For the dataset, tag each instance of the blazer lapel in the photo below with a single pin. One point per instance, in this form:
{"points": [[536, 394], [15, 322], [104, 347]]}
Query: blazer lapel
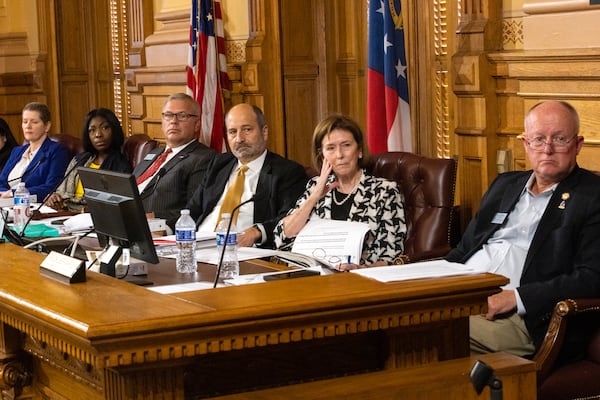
{"points": [[265, 181], [148, 159], [552, 217], [37, 159], [512, 194], [182, 155]]}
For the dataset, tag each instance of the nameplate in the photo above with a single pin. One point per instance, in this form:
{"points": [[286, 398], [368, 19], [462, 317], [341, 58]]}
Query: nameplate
{"points": [[63, 268]]}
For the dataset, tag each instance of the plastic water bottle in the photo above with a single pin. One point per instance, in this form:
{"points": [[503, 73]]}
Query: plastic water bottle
{"points": [[230, 267], [21, 207], [185, 237]]}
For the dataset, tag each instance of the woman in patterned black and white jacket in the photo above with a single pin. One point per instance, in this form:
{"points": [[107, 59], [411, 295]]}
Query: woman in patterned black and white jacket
{"points": [[344, 191]]}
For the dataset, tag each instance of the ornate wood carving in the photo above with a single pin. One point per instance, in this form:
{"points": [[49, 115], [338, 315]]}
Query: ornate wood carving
{"points": [[478, 34]]}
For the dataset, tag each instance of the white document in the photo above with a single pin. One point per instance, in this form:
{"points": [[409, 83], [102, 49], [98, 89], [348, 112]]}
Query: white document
{"points": [[331, 242], [425, 269], [183, 287]]}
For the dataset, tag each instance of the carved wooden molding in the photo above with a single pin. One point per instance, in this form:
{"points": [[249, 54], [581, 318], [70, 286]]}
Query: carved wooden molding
{"points": [[222, 341], [75, 368]]}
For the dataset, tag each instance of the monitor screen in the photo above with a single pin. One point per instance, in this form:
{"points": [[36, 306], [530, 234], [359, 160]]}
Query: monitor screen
{"points": [[117, 211]]}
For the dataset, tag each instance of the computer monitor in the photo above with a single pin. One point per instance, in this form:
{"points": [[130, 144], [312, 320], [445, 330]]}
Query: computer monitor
{"points": [[118, 214]]}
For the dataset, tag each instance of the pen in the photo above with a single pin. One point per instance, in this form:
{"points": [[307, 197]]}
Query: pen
{"points": [[349, 259]]}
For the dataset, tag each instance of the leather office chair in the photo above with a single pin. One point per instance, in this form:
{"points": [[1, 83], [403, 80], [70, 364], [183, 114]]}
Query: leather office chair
{"points": [[72, 143], [428, 186], [578, 379], [137, 146]]}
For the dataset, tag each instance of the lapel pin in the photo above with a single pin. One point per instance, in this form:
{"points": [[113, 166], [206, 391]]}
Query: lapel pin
{"points": [[564, 197]]}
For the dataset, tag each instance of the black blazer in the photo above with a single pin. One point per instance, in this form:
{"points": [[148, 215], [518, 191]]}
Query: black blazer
{"points": [[564, 256], [171, 188], [280, 183]]}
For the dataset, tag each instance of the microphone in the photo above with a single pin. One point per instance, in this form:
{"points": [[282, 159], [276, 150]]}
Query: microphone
{"points": [[37, 164], [66, 175], [161, 172], [236, 208]]}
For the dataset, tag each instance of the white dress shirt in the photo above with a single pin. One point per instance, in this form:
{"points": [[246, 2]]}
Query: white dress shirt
{"points": [[246, 212], [505, 252]]}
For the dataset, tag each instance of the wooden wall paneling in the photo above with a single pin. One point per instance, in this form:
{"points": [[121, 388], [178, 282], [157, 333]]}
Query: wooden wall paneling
{"points": [[478, 35], [526, 77], [430, 41], [84, 60], [262, 73], [131, 23], [346, 56], [304, 73], [74, 58], [47, 80]]}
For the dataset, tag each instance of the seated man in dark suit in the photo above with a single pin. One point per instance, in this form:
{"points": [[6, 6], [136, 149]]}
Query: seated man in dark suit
{"points": [[276, 182], [539, 228], [168, 176]]}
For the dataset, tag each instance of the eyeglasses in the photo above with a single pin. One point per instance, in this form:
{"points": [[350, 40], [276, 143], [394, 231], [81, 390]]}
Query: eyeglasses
{"points": [[181, 116], [321, 255], [103, 128], [559, 143]]}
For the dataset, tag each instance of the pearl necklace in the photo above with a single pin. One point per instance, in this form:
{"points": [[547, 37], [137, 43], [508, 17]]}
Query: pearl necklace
{"points": [[345, 199]]}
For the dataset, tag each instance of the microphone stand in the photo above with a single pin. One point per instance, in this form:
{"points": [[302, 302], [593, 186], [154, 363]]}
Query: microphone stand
{"points": [[482, 375], [37, 164], [22, 233], [222, 255]]}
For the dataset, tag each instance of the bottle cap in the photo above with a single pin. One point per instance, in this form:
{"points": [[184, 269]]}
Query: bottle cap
{"points": [[185, 211], [225, 215]]}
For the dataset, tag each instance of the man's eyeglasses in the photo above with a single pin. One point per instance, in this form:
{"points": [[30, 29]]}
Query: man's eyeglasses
{"points": [[559, 143], [181, 116]]}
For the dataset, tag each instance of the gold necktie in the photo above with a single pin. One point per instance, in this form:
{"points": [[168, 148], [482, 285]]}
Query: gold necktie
{"points": [[233, 195]]}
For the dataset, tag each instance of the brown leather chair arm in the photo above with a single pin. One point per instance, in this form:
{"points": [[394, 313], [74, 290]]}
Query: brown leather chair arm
{"points": [[553, 341], [427, 255]]}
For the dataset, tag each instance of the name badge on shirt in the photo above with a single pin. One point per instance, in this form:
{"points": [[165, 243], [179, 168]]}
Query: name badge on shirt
{"points": [[150, 157], [499, 218]]}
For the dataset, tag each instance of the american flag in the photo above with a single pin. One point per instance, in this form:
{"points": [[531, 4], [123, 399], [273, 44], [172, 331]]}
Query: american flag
{"points": [[207, 69], [388, 113]]}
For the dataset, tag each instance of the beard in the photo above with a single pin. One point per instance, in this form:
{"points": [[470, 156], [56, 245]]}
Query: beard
{"points": [[245, 151]]}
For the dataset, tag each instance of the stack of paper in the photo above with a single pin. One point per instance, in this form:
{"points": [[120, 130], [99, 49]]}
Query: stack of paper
{"points": [[331, 242], [425, 269]]}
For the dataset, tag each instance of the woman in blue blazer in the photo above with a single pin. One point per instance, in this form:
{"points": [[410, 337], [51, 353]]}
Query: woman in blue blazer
{"points": [[41, 162]]}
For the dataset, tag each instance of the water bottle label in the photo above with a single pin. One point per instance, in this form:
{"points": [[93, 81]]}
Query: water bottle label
{"points": [[231, 239], [220, 239], [187, 235], [22, 201]]}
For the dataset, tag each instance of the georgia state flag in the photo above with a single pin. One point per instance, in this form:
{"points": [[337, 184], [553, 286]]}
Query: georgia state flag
{"points": [[388, 113]]}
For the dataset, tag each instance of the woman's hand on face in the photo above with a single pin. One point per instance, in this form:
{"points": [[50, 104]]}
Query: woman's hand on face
{"points": [[322, 188]]}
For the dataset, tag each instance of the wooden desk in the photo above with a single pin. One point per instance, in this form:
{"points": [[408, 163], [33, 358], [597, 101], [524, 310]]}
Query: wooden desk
{"points": [[109, 339]]}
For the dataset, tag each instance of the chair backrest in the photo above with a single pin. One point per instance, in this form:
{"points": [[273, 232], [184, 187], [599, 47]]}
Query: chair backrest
{"points": [[72, 143], [137, 146], [428, 186]]}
